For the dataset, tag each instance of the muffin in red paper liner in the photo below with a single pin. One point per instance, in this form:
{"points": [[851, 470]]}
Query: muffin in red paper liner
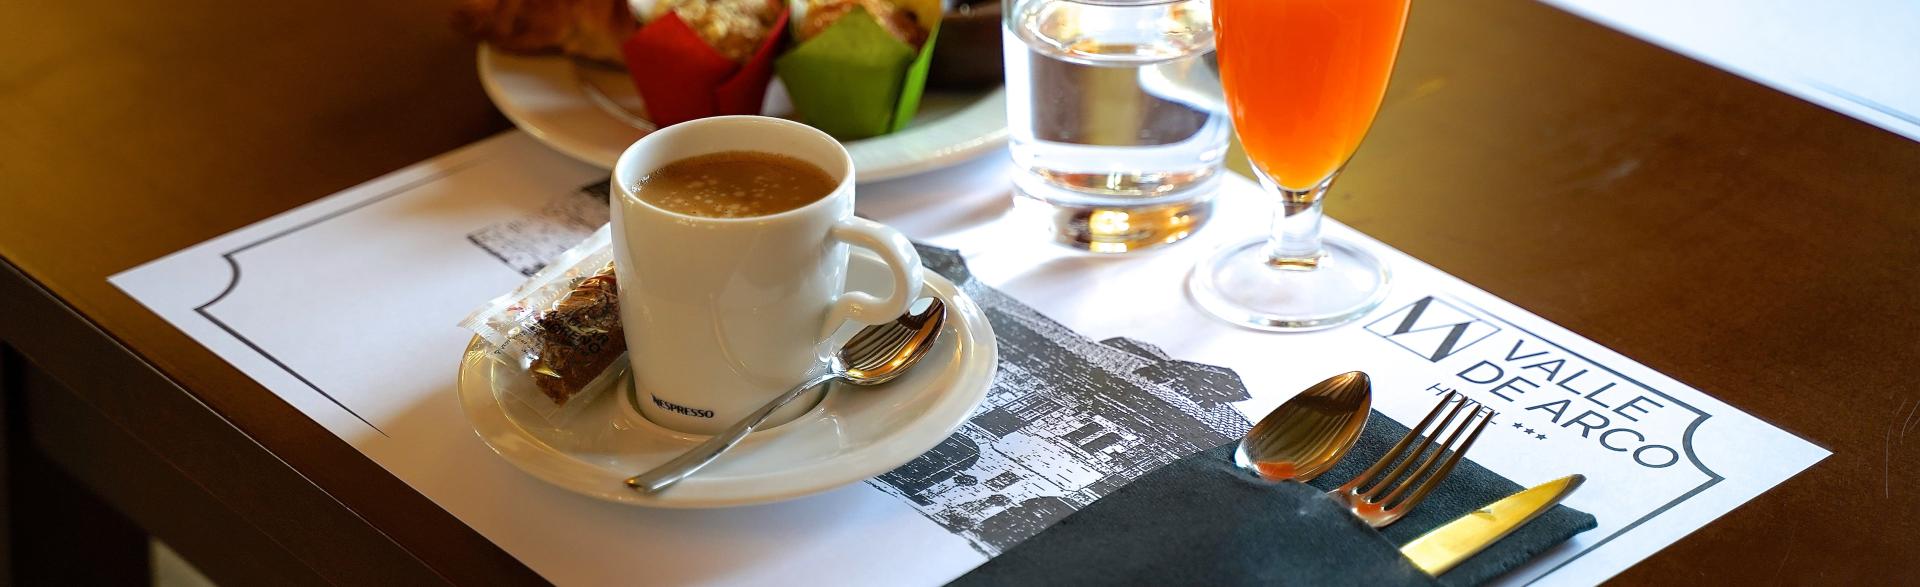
{"points": [[699, 66]]}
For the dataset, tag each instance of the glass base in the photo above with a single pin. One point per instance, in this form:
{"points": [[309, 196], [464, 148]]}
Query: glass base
{"points": [[1120, 229], [1239, 284]]}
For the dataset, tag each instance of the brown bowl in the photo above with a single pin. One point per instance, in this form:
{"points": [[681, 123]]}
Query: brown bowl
{"points": [[967, 54]]}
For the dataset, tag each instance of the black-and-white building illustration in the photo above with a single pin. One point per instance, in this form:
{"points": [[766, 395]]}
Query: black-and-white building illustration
{"points": [[1068, 421], [528, 242]]}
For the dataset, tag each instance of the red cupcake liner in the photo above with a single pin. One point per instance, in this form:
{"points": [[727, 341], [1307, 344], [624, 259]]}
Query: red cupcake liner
{"points": [[680, 78]]}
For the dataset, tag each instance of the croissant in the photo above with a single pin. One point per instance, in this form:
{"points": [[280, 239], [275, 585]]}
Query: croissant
{"points": [[585, 29]]}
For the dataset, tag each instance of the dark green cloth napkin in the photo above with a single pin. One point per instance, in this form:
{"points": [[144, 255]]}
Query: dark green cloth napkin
{"points": [[1469, 488], [1201, 520]]}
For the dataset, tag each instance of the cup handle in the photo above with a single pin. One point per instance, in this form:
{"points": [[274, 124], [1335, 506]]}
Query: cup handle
{"points": [[901, 259]]}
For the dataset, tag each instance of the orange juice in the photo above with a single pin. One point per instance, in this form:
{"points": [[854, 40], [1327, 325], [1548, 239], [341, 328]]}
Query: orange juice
{"points": [[1304, 78]]}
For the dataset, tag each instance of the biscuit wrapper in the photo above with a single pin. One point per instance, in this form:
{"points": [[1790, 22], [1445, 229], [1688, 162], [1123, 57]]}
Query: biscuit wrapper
{"points": [[559, 331], [854, 80], [681, 78]]}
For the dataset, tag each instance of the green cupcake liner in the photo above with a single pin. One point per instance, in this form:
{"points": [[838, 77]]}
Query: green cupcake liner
{"points": [[854, 80]]}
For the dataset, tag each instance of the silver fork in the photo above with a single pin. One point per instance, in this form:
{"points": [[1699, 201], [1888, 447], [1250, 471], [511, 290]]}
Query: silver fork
{"points": [[1363, 495]]}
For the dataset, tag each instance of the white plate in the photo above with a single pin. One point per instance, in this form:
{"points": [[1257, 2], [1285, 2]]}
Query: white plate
{"points": [[592, 114], [853, 434]]}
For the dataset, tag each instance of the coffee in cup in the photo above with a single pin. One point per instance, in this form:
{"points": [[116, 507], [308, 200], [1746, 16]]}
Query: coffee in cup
{"points": [[733, 265], [735, 184]]}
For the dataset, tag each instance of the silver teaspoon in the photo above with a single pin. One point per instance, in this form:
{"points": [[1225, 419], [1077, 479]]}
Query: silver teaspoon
{"points": [[1311, 432], [875, 355]]}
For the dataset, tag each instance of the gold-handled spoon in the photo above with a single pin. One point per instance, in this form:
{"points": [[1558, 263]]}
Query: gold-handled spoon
{"points": [[1308, 434], [875, 355]]}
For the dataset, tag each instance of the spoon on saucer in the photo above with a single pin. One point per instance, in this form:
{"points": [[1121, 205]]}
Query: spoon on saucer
{"points": [[1308, 434], [875, 355]]}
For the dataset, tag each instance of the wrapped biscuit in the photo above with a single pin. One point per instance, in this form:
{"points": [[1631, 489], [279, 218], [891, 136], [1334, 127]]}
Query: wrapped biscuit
{"points": [[698, 58], [860, 65], [560, 330]]}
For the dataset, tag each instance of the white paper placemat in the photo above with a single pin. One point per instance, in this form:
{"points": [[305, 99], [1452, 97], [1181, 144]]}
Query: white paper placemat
{"points": [[346, 309]]}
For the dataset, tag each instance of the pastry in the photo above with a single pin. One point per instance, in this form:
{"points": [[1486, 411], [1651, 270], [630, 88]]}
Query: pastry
{"points": [[585, 29], [859, 66], [897, 21], [580, 337], [698, 58], [734, 28]]}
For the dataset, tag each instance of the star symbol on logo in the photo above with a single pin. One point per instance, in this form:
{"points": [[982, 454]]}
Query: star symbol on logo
{"points": [[1529, 431], [1518, 425], [1540, 436]]}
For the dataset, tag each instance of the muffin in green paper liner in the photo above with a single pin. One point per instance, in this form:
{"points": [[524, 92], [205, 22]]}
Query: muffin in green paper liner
{"points": [[859, 66]]}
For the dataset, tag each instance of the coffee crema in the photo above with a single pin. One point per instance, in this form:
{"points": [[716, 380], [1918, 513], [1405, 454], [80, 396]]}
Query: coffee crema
{"points": [[735, 184]]}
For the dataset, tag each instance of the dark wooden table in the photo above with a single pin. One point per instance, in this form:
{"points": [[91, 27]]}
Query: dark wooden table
{"points": [[1745, 242]]}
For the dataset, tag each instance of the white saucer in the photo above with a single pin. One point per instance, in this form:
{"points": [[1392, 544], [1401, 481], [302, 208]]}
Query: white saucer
{"points": [[853, 434], [593, 114]]}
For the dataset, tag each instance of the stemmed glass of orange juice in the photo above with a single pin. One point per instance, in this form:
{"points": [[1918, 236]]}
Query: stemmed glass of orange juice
{"points": [[1303, 79]]}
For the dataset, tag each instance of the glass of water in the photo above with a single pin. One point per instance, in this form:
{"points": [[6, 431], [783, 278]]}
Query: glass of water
{"points": [[1118, 128]]}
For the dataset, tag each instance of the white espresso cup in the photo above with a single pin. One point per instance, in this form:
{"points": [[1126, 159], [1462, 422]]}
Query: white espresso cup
{"points": [[724, 314]]}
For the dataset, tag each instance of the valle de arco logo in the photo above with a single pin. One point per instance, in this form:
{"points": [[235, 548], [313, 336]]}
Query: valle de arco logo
{"points": [[1541, 389]]}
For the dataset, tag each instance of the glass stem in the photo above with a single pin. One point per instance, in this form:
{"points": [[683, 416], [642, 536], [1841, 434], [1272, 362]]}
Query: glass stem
{"points": [[1295, 242]]}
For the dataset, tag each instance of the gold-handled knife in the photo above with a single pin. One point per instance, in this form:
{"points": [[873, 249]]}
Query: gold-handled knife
{"points": [[1441, 548]]}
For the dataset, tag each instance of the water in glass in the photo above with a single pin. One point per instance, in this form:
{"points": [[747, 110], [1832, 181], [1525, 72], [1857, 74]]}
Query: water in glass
{"points": [[1116, 119]]}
